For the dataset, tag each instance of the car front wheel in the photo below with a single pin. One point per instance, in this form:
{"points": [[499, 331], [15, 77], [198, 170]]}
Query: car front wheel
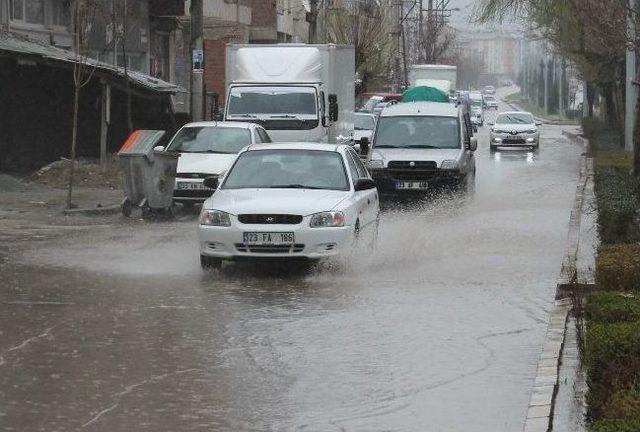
{"points": [[208, 262]]}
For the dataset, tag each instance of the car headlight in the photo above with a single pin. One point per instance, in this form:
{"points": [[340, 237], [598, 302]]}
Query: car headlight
{"points": [[532, 131], [215, 218], [327, 219], [375, 164], [449, 165]]}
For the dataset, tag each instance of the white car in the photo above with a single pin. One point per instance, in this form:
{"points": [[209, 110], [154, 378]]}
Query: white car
{"points": [[491, 102], [296, 200], [515, 129], [206, 150]]}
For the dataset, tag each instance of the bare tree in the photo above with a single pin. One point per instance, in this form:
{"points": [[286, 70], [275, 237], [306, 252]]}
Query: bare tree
{"points": [[83, 13], [365, 25]]}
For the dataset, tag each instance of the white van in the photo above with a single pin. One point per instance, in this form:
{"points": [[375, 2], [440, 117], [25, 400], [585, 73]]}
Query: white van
{"points": [[420, 146]]}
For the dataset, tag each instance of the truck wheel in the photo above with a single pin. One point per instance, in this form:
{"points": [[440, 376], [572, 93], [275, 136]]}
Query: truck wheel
{"points": [[207, 262]]}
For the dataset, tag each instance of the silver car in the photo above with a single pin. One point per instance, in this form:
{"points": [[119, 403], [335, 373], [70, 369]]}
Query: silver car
{"points": [[515, 129]]}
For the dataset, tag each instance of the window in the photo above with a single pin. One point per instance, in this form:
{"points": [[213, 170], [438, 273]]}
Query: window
{"points": [[223, 140], [17, 10], [264, 135], [61, 13], [34, 11], [362, 170], [352, 168], [418, 132]]}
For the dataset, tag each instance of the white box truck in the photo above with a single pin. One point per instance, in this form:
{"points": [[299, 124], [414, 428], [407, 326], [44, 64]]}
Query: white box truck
{"points": [[442, 77], [298, 92]]}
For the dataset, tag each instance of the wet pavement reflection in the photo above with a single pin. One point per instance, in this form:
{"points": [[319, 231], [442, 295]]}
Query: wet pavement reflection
{"points": [[117, 329]]}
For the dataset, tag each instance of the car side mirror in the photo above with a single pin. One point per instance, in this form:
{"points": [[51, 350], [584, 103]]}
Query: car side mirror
{"points": [[211, 182], [538, 123], [364, 146], [333, 108], [158, 148], [473, 144], [364, 184]]}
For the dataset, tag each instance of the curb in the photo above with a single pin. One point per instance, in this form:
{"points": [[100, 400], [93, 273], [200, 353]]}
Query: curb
{"points": [[542, 404], [97, 211]]}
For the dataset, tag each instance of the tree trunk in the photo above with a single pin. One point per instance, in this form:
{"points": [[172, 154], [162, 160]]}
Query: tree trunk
{"points": [[74, 140], [636, 140]]}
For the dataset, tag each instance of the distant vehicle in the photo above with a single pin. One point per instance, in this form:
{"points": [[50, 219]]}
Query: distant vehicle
{"points": [[419, 146], [382, 105], [489, 90], [442, 77], [515, 129], [476, 108], [363, 126], [491, 102], [297, 92], [206, 150], [365, 102], [298, 200]]}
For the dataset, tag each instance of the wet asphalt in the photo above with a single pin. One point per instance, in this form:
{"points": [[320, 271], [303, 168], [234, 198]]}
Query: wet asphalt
{"points": [[116, 328]]}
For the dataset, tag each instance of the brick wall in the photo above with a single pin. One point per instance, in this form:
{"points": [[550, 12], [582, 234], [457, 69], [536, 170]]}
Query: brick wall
{"points": [[214, 67], [263, 13]]}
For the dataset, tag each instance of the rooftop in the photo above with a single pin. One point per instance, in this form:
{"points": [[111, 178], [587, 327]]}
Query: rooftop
{"points": [[421, 108]]}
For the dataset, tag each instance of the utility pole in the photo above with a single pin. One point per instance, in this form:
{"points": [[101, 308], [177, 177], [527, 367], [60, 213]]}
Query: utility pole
{"points": [[313, 21], [197, 66], [420, 30]]}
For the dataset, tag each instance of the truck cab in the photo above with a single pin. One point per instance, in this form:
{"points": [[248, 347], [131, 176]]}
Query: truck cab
{"points": [[420, 146], [297, 92]]}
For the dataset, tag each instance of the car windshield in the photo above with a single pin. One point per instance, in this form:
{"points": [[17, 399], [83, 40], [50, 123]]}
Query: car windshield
{"points": [[288, 169], [210, 139], [514, 118], [363, 122], [418, 132], [273, 102]]}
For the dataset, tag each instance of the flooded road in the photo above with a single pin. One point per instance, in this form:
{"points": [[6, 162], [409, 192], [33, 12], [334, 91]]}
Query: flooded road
{"points": [[116, 328]]}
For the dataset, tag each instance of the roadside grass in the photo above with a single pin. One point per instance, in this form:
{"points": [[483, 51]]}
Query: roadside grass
{"points": [[612, 339]]}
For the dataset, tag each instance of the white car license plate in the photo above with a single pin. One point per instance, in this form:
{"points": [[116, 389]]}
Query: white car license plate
{"points": [[191, 186], [268, 238], [412, 185]]}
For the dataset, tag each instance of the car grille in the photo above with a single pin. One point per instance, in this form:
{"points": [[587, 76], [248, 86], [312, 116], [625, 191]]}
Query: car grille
{"points": [[421, 171], [267, 249], [270, 219], [513, 141], [194, 175]]}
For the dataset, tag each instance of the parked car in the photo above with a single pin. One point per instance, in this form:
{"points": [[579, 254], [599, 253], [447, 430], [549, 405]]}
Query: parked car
{"points": [[366, 102], [206, 150], [363, 126], [296, 200], [515, 129], [420, 146], [490, 102]]}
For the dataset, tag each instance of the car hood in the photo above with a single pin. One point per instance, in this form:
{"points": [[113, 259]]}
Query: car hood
{"points": [[437, 155], [204, 163], [275, 201], [514, 127], [359, 134]]}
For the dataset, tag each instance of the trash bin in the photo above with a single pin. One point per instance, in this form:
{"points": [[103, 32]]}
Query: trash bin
{"points": [[148, 176]]}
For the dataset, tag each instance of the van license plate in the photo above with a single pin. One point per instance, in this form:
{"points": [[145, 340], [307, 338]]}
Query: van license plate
{"points": [[191, 186], [268, 238], [412, 186]]}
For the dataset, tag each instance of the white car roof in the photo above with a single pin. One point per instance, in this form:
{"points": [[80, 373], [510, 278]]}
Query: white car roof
{"points": [[229, 124], [297, 146], [439, 109]]}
